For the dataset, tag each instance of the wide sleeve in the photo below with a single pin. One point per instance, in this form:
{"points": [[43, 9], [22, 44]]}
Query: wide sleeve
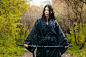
{"points": [[62, 40], [33, 36]]}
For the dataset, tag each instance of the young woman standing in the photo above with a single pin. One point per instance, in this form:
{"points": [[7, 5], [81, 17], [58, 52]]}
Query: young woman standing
{"points": [[47, 32]]}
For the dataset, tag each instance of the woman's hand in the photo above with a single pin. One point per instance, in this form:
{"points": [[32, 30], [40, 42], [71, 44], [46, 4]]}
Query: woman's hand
{"points": [[66, 46], [26, 45]]}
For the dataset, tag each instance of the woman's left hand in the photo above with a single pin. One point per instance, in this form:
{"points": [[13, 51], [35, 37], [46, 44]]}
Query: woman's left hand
{"points": [[66, 46]]}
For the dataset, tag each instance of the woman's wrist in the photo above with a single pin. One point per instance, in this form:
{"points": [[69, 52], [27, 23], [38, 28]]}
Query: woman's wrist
{"points": [[26, 45]]}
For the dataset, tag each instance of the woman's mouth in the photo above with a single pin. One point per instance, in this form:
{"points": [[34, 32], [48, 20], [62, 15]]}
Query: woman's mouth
{"points": [[46, 14]]}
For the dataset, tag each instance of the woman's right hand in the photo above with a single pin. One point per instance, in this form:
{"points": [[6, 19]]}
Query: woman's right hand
{"points": [[26, 45]]}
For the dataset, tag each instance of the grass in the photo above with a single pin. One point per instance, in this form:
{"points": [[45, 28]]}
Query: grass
{"points": [[76, 52], [13, 52]]}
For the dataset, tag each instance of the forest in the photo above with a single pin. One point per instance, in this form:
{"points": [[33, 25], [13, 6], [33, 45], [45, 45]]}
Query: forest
{"points": [[17, 18]]}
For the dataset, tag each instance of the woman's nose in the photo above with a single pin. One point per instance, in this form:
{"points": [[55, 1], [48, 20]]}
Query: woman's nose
{"points": [[46, 11]]}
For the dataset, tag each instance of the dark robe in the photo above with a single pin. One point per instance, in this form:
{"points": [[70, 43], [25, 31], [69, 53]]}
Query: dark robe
{"points": [[47, 35]]}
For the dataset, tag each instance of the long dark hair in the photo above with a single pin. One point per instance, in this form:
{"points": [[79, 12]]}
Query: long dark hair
{"points": [[51, 16]]}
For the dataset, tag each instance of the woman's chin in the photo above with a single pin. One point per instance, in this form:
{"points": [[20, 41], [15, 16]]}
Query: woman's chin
{"points": [[46, 15]]}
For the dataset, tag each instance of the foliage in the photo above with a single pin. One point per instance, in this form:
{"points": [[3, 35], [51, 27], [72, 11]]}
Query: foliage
{"points": [[72, 19], [76, 52], [29, 17], [12, 52], [23, 35], [12, 33], [77, 37], [11, 11], [62, 14]]}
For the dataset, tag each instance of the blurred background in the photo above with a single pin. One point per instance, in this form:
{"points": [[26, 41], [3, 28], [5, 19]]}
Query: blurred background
{"points": [[17, 18]]}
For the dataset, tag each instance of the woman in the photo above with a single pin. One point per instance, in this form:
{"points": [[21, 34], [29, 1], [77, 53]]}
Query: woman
{"points": [[47, 32]]}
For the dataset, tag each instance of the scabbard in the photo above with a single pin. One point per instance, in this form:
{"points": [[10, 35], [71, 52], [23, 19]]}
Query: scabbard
{"points": [[58, 46]]}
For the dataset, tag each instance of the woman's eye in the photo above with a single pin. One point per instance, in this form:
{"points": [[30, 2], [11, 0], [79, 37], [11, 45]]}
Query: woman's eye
{"points": [[46, 9]]}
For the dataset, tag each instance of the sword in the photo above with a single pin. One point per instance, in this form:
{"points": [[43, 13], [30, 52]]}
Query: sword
{"points": [[57, 46]]}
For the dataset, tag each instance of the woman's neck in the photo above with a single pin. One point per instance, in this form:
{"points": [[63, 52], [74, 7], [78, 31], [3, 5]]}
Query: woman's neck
{"points": [[47, 17]]}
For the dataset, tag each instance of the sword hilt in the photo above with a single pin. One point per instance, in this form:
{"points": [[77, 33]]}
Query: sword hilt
{"points": [[21, 44], [70, 45]]}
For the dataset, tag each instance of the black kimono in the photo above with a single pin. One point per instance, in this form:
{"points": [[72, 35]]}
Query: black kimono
{"points": [[47, 35]]}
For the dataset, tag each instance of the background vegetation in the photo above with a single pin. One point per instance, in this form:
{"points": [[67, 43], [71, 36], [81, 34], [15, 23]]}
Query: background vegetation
{"points": [[71, 17], [10, 13], [17, 19]]}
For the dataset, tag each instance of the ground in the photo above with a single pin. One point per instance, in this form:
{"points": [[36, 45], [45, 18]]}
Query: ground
{"points": [[29, 54]]}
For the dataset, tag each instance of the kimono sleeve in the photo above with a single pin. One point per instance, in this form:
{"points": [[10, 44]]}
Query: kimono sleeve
{"points": [[62, 40], [33, 36]]}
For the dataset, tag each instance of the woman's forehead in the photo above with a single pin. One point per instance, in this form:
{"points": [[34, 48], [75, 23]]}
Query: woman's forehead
{"points": [[46, 8]]}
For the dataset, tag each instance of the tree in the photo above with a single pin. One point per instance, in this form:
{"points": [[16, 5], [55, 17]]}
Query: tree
{"points": [[71, 14], [61, 14], [29, 17], [11, 11], [78, 9]]}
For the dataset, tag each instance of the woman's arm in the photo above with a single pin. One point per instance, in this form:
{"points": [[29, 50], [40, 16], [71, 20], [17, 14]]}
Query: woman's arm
{"points": [[62, 40], [33, 36]]}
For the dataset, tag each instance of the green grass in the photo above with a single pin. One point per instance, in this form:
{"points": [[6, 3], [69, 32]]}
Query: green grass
{"points": [[12, 52], [76, 52]]}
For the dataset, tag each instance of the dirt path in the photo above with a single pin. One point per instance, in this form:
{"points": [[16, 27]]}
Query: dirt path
{"points": [[29, 54]]}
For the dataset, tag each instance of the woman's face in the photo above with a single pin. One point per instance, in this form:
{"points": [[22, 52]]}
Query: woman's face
{"points": [[47, 12]]}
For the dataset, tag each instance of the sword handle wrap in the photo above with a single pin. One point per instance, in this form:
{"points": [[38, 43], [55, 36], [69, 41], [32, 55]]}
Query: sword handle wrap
{"points": [[21, 44]]}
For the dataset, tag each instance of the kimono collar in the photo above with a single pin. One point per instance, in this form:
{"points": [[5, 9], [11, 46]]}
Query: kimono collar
{"points": [[46, 18]]}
